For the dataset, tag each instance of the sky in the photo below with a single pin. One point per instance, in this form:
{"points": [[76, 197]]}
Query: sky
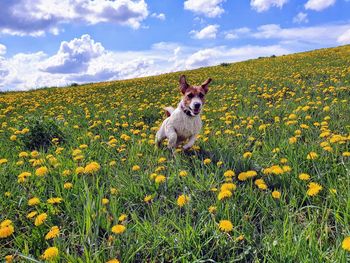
{"points": [[60, 42]]}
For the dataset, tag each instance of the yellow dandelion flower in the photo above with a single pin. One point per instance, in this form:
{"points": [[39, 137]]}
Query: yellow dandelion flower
{"points": [[229, 173], [33, 201], [346, 244], [314, 189], [54, 232], [114, 260], [92, 168], [32, 214], [228, 186], [147, 198], [9, 258], [207, 161], [118, 229], [160, 179], [122, 217], [312, 156], [54, 200], [183, 173], [136, 168], [68, 185], [247, 155], [225, 226], [276, 194], [50, 253], [105, 201], [40, 219], [212, 209], [304, 176], [224, 194], [6, 228], [182, 200], [162, 160], [41, 171]]}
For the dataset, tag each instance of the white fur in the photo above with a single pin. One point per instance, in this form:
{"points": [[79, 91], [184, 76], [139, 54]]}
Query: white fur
{"points": [[179, 127]]}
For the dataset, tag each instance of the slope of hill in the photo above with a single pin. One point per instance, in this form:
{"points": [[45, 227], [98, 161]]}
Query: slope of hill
{"points": [[81, 177]]}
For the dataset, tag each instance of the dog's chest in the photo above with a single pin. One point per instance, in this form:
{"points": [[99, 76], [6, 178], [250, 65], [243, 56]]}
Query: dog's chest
{"points": [[186, 126]]}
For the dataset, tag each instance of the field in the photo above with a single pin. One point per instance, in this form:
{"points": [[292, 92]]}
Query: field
{"points": [[267, 181]]}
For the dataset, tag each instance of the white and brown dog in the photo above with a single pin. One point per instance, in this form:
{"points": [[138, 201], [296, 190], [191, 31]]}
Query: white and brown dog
{"points": [[184, 122]]}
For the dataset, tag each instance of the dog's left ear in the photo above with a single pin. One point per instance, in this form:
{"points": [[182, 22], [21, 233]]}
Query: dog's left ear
{"points": [[205, 85], [183, 84]]}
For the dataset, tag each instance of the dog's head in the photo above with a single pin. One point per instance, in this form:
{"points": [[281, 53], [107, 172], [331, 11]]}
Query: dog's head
{"points": [[193, 96]]}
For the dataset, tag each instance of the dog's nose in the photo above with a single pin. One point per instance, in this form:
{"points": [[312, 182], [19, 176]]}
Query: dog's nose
{"points": [[197, 105]]}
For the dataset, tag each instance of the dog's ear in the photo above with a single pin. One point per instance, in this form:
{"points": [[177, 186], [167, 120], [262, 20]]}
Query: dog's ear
{"points": [[205, 85], [183, 84]]}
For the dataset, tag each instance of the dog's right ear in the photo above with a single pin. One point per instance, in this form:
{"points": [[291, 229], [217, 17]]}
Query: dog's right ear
{"points": [[183, 84]]}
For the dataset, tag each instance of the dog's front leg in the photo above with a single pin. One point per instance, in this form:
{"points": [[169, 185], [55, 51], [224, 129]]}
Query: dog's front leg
{"points": [[190, 142]]}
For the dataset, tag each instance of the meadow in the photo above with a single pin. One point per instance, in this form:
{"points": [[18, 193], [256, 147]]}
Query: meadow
{"points": [[267, 181]]}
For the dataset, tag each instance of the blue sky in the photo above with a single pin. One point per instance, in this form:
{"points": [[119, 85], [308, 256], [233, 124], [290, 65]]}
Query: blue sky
{"points": [[58, 42]]}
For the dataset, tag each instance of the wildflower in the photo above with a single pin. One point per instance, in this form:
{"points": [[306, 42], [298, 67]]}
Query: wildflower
{"points": [[114, 260], [50, 253], [228, 186], [9, 258], [105, 201], [207, 161], [54, 200], [122, 217], [92, 168], [135, 168], [276, 194], [183, 173], [262, 186], [182, 200], [229, 173], [33, 201], [212, 209], [346, 154], [147, 198], [118, 229], [346, 244], [312, 156], [41, 171], [286, 168], [224, 194], [304, 176], [314, 189], [6, 228], [114, 190], [225, 225], [67, 185], [13, 137], [160, 179], [161, 160], [54, 232], [40, 219], [32, 214], [247, 155], [2, 161]]}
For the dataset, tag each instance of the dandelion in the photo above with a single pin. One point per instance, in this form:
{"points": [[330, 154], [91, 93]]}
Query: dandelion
{"points": [[212, 209], [9, 259], [105, 201], [276, 194], [41, 171], [183, 173], [182, 200], [13, 137], [247, 155], [54, 200], [33, 201], [304, 176], [135, 168], [228, 186], [122, 217], [224, 194], [113, 191], [32, 214], [161, 160], [50, 253], [92, 168], [2, 161], [54, 232], [229, 173], [312, 156], [207, 161], [6, 228], [40, 219], [147, 198], [68, 185], [314, 189], [160, 179], [346, 244], [114, 260], [118, 229], [225, 226]]}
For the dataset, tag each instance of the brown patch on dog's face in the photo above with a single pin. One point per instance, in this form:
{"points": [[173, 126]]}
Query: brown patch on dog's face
{"points": [[194, 96]]}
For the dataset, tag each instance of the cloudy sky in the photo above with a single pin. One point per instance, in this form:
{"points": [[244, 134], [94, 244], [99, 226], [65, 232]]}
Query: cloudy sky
{"points": [[59, 42]]}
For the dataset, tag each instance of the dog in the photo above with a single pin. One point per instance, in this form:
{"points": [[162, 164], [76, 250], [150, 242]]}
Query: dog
{"points": [[184, 122]]}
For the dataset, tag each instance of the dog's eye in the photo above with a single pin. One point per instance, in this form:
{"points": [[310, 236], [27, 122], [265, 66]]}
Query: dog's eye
{"points": [[201, 95], [190, 96]]}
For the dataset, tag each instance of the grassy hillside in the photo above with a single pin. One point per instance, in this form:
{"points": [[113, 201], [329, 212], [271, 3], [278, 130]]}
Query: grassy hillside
{"points": [[273, 159]]}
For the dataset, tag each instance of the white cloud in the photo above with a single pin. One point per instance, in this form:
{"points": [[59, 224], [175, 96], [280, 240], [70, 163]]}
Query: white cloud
{"points": [[160, 16], [208, 32], [300, 18], [264, 5], [344, 38], [208, 8], [319, 5], [74, 56], [2, 49], [236, 33], [36, 17]]}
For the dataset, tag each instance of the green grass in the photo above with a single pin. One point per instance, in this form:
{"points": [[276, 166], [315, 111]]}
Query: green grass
{"points": [[242, 99]]}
